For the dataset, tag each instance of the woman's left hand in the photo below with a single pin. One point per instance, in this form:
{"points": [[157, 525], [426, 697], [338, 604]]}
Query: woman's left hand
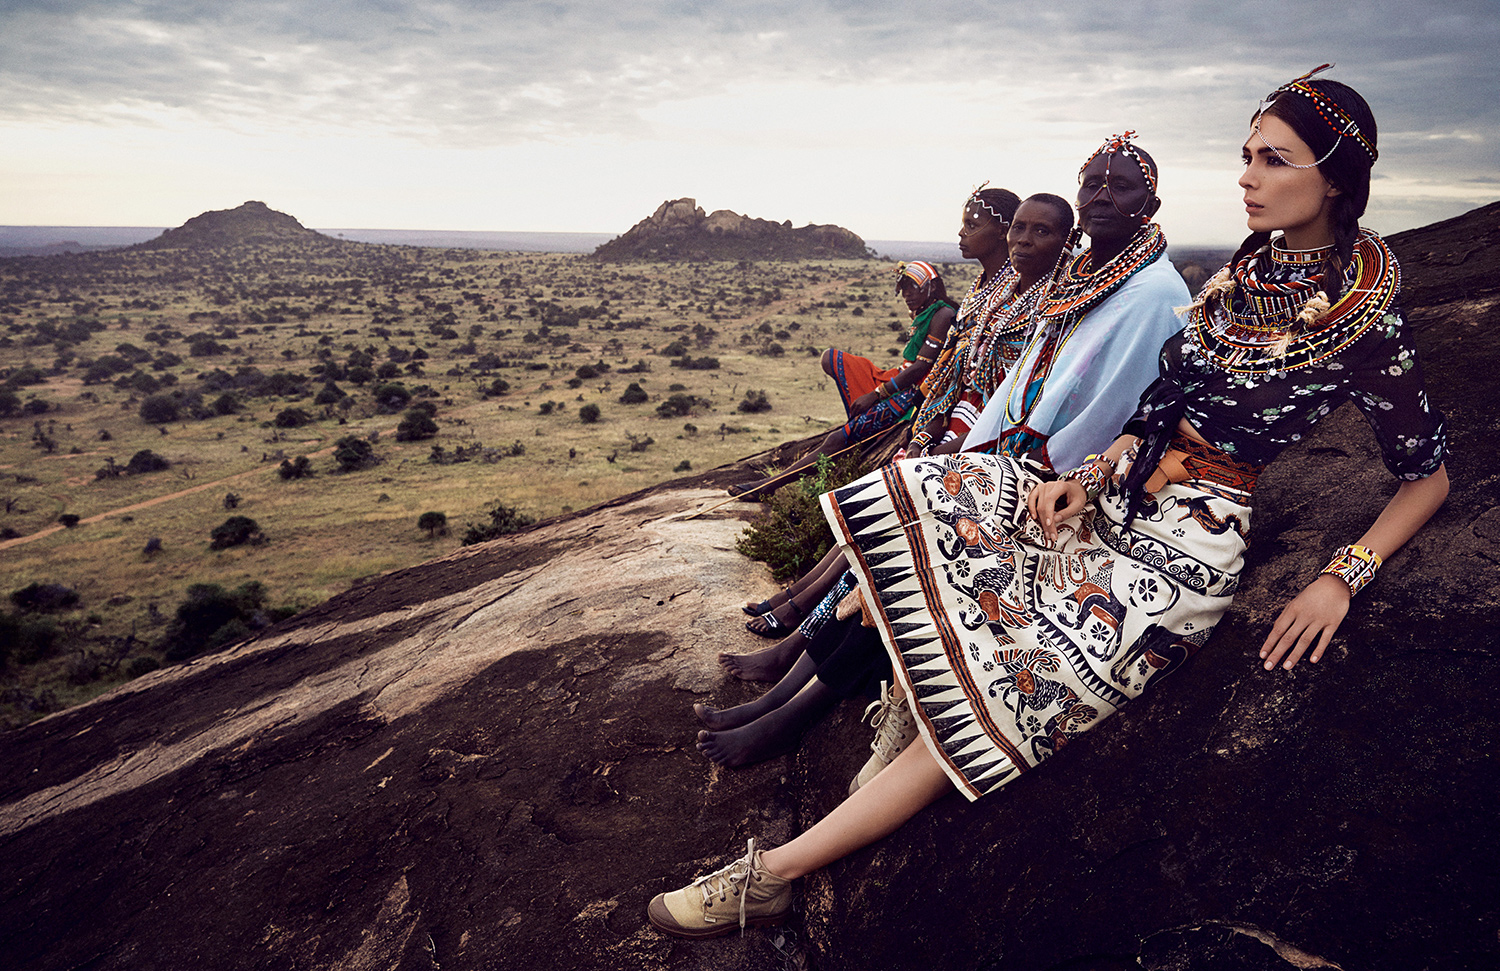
{"points": [[1314, 614]]}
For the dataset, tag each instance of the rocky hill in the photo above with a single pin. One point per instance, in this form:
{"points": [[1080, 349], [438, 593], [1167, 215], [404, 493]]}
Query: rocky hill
{"points": [[249, 223], [486, 761], [679, 230]]}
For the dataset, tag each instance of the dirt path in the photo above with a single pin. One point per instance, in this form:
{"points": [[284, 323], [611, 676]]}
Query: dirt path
{"points": [[156, 501]]}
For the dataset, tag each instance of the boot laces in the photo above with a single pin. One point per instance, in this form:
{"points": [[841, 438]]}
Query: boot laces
{"points": [[735, 875], [890, 718]]}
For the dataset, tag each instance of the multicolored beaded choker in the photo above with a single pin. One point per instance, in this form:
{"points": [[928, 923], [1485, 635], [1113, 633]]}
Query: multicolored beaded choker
{"points": [[1248, 331]]}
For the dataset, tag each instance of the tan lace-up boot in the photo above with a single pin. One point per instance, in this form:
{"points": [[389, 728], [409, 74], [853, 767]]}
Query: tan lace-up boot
{"points": [[742, 894], [895, 726]]}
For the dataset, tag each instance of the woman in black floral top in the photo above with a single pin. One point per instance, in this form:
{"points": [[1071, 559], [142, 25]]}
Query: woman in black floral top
{"points": [[1020, 610]]}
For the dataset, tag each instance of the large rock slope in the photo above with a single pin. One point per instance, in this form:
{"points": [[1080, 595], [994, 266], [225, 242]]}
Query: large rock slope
{"points": [[486, 761]]}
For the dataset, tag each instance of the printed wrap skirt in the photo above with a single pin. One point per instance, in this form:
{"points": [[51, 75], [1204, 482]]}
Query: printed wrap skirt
{"points": [[1012, 646]]}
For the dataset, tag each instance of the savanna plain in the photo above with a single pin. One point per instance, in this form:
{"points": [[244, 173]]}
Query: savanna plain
{"points": [[196, 441]]}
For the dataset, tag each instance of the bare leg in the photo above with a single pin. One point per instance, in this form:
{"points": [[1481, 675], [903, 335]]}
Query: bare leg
{"points": [[773, 662], [772, 734], [908, 785], [823, 579], [785, 690], [811, 577]]}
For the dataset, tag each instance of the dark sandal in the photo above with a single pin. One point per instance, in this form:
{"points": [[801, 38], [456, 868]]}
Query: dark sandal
{"points": [[765, 606], [775, 626]]}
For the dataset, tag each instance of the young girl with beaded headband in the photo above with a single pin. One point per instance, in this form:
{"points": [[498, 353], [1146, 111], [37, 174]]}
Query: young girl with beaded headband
{"points": [[876, 398], [983, 563]]}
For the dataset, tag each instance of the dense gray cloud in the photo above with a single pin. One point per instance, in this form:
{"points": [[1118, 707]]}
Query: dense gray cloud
{"points": [[471, 74], [496, 71]]}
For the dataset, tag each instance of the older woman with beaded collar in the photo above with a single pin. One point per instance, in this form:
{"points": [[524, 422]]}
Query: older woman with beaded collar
{"points": [[1020, 610]]}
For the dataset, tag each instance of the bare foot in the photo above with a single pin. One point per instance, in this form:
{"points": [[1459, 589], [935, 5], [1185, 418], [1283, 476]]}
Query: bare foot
{"points": [[768, 665], [750, 743], [721, 719]]}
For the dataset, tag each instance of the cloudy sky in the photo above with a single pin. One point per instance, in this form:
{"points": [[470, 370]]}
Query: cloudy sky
{"points": [[583, 115]]}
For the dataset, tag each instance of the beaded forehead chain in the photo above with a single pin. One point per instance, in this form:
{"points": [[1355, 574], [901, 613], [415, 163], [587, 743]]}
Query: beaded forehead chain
{"points": [[1333, 116], [977, 202], [1120, 145]]}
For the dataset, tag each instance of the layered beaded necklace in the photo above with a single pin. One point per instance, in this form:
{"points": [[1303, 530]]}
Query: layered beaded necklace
{"points": [[983, 364], [1064, 305], [985, 294], [1258, 326]]}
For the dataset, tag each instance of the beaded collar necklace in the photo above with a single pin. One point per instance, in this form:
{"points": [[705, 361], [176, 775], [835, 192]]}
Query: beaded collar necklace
{"points": [[1248, 331], [985, 365]]}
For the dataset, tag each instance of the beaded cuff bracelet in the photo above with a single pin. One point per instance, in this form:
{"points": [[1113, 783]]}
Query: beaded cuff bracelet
{"points": [[1355, 565], [1092, 476]]}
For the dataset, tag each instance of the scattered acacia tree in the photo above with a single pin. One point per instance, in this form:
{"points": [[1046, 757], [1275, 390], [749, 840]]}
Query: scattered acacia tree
{"points": [[755, 402], [26, 638], [299, 468], [146, 461], [210, 616], [68, 519], [159, 409], [503, 520], [353, 453], [44, 597], [589, 413], [391, 398], [634, 395], [292, 418], [434, 522], [235, 531], [416, 425]]}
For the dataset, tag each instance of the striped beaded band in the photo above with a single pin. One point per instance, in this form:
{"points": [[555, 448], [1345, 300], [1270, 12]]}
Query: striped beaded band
{"points": [[917, 271], [1355, 565]]}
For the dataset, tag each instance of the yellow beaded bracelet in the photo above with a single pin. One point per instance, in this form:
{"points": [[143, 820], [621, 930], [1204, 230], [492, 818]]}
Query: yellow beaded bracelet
{"points": [[1355, 565]]}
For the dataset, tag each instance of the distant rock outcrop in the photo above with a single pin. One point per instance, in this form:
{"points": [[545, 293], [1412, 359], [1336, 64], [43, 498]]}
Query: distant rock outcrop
{"points": [[679, 230], [250, 223], [487, 761]]}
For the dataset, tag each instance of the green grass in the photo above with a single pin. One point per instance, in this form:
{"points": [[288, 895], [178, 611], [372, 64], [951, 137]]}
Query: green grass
{"points": [[332, 530]]}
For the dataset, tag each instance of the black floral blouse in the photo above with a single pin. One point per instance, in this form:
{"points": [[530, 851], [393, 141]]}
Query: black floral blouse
{"points": [[1251, 393]]}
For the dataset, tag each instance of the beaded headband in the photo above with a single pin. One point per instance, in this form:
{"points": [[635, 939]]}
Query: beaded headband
{"points": [[1335, 117], [918, 272], [978, 202], [1120, 145]]}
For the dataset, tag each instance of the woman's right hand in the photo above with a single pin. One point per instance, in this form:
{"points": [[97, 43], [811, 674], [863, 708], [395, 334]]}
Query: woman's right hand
{"points": [[1053, 503], [864, 403]]}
